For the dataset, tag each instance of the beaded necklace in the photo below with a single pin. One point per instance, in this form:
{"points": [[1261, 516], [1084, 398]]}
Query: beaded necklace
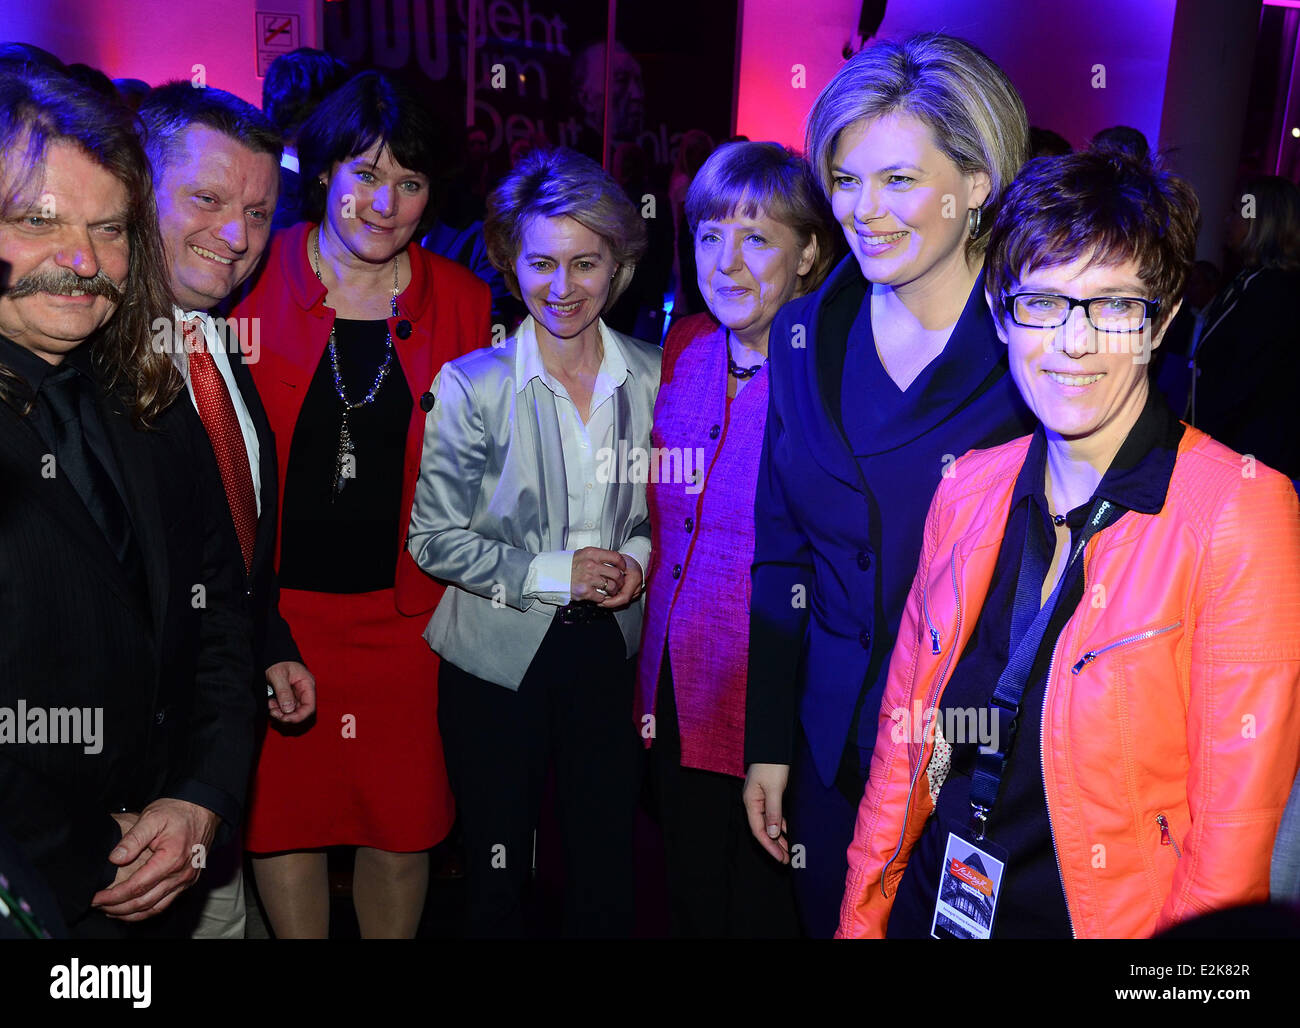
{"points": [[342, 464]]}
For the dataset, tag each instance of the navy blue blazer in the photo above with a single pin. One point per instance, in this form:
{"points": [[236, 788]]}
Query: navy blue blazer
{"points": [[838, 533]]}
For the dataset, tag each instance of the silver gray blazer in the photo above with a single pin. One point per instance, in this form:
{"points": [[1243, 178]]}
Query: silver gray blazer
{"points": [[492, 494]]}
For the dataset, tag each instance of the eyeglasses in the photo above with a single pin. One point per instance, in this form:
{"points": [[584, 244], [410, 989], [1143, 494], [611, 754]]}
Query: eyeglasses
{"points": [[1104, 313]]}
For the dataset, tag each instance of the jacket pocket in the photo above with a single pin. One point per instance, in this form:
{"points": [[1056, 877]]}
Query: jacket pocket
{"points": [[1128, 640], [1167, 837], [935, 647]]}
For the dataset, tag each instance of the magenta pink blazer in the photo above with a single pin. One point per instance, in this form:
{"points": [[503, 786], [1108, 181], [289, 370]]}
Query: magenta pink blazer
{"points": [[697, 599]]}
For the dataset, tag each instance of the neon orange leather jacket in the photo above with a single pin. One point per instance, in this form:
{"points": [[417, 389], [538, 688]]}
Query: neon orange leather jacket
{"points": [[1171, 720]]}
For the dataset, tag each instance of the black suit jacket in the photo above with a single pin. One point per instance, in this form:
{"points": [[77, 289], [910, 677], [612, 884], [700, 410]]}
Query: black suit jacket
{"points": [[272, 640], [169, 670]]}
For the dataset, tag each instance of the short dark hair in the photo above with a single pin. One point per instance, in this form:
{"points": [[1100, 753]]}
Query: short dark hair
{"points": [[26, 56], [369, 108], [744, 177], [296, 83], [1108, 205], [172, 108], [1122, 137]]}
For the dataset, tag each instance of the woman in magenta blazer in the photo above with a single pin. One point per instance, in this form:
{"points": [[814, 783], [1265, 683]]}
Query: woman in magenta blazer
{"points": [[354, 321], [761, 231]]}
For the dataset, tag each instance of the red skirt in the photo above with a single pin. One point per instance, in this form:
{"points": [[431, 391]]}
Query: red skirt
{"points": [[369, 770]]}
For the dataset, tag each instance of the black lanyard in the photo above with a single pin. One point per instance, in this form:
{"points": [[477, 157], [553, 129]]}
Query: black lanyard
{"points": [[1029, 623]]}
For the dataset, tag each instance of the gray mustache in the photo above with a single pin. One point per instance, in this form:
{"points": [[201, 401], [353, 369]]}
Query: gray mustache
{"points": [[65, 284]]}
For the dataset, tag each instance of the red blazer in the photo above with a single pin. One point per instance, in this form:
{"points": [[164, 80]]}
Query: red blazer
{"points": [[697, 599], [442, 314]]}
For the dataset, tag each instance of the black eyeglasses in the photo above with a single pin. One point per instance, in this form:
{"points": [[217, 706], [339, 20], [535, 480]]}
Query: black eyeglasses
{"points": [[1104, 313]]}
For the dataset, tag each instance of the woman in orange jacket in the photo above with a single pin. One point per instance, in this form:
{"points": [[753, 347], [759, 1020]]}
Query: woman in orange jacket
{"points": [[1092, 716]]}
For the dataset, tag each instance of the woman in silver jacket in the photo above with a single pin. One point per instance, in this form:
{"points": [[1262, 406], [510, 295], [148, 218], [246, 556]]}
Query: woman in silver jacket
{"points": [[531, 503]]}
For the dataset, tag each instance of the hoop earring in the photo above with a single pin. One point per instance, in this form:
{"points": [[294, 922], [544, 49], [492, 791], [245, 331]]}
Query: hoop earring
{"points": [[973, 223]]}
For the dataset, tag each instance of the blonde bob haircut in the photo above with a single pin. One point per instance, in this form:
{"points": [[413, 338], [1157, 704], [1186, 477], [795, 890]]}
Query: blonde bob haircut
{"points": [[556, 183], [970, 106]]}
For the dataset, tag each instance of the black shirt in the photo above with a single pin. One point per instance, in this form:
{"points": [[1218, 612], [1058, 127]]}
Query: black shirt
{"points": [[347, 542], [33, 372], [1032, 903]]}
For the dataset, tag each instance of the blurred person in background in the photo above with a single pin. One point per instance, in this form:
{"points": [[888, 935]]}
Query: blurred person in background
{"points": [[1247, 359], [294, 87]]}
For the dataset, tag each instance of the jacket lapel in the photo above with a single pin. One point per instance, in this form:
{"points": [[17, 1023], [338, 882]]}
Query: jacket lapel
{"points": [[819, 372], [266, 456], [618, 493], [23, 462], [141, 483]]}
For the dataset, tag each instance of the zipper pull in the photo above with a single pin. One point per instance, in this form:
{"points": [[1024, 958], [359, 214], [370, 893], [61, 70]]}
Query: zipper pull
{"points": [[1087, 658], [1166, 836], [934, 641]]}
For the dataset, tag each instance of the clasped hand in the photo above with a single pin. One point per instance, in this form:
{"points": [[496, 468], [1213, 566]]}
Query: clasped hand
{"points": [[608, 578]]}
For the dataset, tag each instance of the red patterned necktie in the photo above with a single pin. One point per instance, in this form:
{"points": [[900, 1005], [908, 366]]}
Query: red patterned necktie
{"points": [[218, 415]]}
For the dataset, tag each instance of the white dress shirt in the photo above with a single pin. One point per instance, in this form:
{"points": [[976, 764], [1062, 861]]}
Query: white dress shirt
{"points": [[550, 575], [217, 347]]}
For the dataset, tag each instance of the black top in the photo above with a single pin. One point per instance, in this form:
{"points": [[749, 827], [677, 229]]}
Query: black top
{"points": [[99, 483], [347, 542], [1032, 904]]}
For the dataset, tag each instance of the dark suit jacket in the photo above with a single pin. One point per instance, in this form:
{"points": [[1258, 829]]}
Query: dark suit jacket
{"points": [[272, 640], [837, 534], [170, 670]]}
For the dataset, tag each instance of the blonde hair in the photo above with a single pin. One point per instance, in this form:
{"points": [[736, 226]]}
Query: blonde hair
{"points": [[561, 183], [970, 106]]}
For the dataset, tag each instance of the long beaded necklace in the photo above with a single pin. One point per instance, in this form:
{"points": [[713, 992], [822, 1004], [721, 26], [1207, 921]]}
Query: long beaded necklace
{"points": [[343, 461]]}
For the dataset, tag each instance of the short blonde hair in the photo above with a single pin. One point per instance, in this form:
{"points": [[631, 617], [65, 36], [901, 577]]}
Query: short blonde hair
{"points": [[970, 106], [561, 183]]}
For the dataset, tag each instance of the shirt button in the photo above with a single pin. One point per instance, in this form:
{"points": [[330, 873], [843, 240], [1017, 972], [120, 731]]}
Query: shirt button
{"points": [[160, 717], [864, 637], [677, 571], [587, 525], [688, 524], [403, 329], [715, 431], [864, 560], [589, 485]]}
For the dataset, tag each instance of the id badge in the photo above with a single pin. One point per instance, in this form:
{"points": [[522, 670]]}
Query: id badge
{"points": [[970, 882]]}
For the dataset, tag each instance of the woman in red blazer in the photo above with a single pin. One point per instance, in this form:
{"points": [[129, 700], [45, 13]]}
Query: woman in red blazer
{"points": [[761, 230], [354, 320]]}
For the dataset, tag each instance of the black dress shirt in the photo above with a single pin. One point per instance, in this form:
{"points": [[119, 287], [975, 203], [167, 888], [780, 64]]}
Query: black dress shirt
{"points": [[36, 373], [1032, 904]]}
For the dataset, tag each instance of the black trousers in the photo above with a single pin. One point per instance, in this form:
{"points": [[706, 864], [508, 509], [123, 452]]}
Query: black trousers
{"points": [[721, 882], [822, 819], [573, 712]]}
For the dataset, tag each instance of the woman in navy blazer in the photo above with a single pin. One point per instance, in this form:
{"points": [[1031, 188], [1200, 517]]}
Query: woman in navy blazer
{"points": [[879, 381]]}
